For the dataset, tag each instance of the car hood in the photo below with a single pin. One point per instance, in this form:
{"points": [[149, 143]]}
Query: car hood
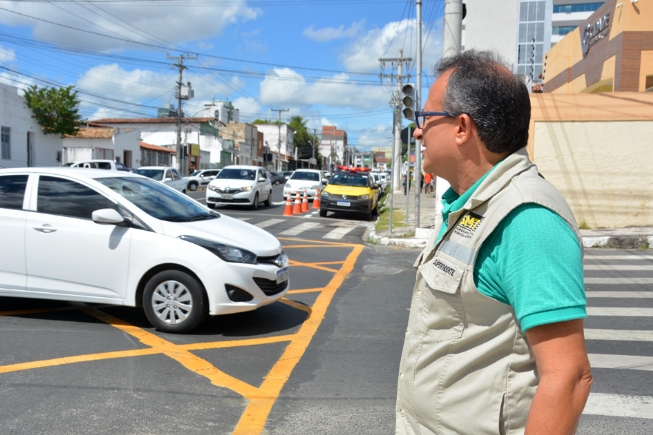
{"points": [[229, 182], [347, 190], [229, 231], [302, 183]]}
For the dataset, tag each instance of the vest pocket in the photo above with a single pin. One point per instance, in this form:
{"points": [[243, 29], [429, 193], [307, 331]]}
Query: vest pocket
{"points": [[440, 295]]}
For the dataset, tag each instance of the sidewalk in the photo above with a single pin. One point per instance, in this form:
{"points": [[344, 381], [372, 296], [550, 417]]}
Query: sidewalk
{"points": [[403, 234]]}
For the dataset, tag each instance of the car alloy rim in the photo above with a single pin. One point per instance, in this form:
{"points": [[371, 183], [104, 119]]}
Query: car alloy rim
{"points": [[172, 302]]}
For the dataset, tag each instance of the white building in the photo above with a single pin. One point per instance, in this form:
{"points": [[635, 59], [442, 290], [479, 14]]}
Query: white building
{"points": [[521, 31], [279, 140], [195, 131], [121, 145], [22, 140], [244, 137]]}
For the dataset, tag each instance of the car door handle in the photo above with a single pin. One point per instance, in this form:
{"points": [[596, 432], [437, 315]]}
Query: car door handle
{"points": [[46, 228]]}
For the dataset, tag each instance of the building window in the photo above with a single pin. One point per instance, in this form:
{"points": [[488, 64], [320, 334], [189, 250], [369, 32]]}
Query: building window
{"points": [[581, 7], [562, 30], [6, 143], [531, 38], [648, 85]]}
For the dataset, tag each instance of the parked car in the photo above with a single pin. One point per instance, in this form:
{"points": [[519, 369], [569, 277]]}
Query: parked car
{"points": [[164, 174], [118, 238], [287, 174], [240, 185], [201, 177], [350, 190], [99, 164], [304, 179], [277, 178], [380, 179]]}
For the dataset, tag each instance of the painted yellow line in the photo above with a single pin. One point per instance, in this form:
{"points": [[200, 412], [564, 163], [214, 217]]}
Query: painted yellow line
{"points": [[293, 263], [323, 263], [253, 419], [182, 356], [305, 290], [77, 359], [296, 305], [236, 343]]}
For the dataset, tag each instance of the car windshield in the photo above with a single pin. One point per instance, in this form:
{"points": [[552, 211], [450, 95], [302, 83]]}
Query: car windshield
{"points": [[155, 174], [196, 173], [312, 176], [158, 200], [344, 179], [237, 174]]}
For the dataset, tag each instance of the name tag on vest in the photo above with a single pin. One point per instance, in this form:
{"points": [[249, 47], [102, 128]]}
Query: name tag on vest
{"points": [[442, 275]]}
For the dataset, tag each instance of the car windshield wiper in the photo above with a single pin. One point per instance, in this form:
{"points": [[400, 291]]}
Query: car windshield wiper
{"points": [[173, 219], [201, 217]]}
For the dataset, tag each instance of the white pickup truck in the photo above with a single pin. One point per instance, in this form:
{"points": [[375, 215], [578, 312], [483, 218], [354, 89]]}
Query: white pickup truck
{"points": [[164, 174]]}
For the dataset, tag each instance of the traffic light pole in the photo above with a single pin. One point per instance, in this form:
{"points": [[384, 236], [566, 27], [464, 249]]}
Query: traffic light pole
{"points": [[418, 105]]}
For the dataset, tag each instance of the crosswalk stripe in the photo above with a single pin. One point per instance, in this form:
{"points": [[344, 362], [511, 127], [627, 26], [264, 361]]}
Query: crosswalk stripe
{"points": [[300, 229], [338, 233], [622, 362], [620, 294], [618, 405], [617, 267], [620, 312], [618, 335], [618, 257], [269, 223], [244, 219], [608, 281]]}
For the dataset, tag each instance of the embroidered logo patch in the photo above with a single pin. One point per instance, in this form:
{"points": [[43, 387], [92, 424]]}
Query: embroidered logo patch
{"points": [[468, 224]]}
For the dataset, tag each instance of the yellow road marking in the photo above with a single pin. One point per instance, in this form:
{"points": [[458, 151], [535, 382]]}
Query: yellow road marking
{"points": [[236, 343], [253, 419], [296, 305], [306, 290], [293, 263]]}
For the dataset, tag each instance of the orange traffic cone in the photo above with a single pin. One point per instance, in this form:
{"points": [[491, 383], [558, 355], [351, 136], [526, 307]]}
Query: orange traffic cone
{"points": [[298, 204], [316, 200], [305, 203], [288, 210]]}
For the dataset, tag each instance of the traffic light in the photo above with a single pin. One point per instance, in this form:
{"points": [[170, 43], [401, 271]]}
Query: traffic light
{"points": [[408, 101]]}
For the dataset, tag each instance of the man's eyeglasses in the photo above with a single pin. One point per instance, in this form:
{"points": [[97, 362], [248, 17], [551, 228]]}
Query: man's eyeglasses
{"points": [[420, 117]]}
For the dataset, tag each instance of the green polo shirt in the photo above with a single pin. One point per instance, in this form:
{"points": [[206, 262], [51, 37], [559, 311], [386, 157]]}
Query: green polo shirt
{"points": [[532, 261]]}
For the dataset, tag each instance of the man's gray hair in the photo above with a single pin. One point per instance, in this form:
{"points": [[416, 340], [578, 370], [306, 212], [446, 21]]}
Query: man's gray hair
{"points": [[497, 100]]}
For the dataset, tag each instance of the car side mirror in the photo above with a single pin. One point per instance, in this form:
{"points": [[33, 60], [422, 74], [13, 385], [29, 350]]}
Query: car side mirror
{"points": [[167, 179], [375, 186], [262, 180], [107, 216]]}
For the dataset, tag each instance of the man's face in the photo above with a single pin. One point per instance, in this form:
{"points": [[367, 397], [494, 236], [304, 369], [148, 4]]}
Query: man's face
{"points": [[437, 133]]}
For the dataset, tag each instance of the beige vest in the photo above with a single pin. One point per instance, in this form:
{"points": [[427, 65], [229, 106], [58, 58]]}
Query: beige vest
{"points": [[466, 366]]}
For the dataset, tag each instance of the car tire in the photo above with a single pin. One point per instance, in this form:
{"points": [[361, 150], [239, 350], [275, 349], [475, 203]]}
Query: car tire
{"points": [[192, 187], [276, 183], [268, 202], [323, 213], [167, 288], [255, 203]]}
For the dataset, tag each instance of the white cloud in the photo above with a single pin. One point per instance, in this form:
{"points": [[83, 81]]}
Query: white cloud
{"points": [[146, 22], [248, 107], [363, 54], [375, 136], [286, 87], [331, 33], [7, 54]]}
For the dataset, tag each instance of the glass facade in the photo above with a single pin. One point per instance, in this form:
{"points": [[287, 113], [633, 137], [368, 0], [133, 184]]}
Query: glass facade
{"points": [[531, 38], [580, 7], [562, 30]]}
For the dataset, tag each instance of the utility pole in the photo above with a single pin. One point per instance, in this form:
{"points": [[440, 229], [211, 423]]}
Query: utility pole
{"points": [[279, 143], [395, 101], [181, 158], [418, 104], [453, 23]]}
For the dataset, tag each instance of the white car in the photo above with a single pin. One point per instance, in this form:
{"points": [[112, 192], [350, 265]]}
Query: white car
{"points": [[164, 174], [304, 179], [240, 185], [201, 177], [99, 164], [118, 238]]}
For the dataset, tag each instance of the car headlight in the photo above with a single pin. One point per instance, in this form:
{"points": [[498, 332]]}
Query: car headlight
{"points": [[288, 186], [213, 187], [247, 188], [364, 197], [326, 194], [225, 252]]}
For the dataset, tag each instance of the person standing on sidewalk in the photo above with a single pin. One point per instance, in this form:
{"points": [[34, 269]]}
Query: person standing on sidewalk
{"points": [[495, 339]]}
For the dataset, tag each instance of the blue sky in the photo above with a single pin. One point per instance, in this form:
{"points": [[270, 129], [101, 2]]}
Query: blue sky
{"points": [[318, 58]]}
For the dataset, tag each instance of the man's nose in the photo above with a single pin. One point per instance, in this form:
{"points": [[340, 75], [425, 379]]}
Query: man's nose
{"points": [[417, 134]]}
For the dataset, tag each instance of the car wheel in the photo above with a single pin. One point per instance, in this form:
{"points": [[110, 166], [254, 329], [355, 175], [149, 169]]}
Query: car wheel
{"points": [[255, 203], [323, 213], [192, 187], [276, 183], [174, 301], [268, 202]]}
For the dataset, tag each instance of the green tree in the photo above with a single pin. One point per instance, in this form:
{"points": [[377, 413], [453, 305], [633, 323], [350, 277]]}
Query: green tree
{"points": [[55, 109], [262, 121], [304, 141]]}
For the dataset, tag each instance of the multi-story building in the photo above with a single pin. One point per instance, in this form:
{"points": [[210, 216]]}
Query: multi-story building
{"points": [[521, 31], [333, 146], [278, 141], [244, 137]]}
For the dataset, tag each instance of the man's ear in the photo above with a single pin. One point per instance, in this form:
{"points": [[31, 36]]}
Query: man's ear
{"points": [[464, 129]]}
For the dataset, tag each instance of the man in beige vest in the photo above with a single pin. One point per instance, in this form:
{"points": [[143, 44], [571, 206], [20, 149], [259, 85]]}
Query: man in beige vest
{"points": [[494, 343]]}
